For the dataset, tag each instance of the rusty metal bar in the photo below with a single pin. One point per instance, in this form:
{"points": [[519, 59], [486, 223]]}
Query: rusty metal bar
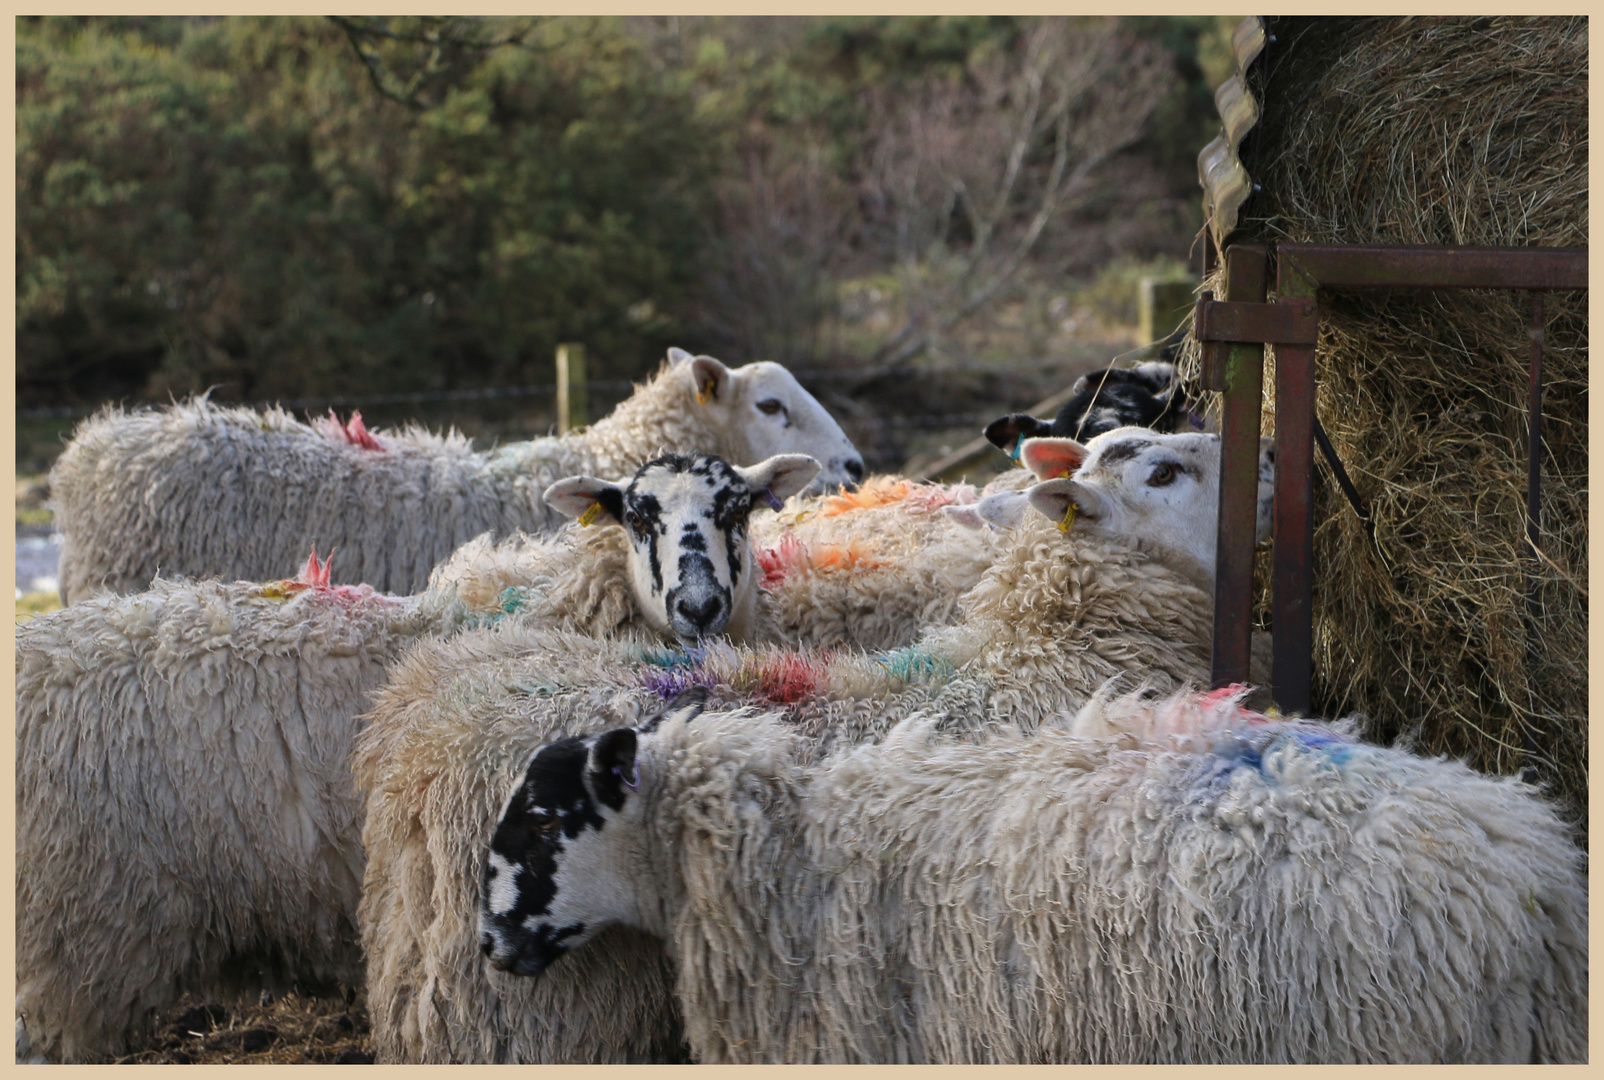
{"points": [[1293, 577], [1534, 479], [1369, 266], [1293, 322], [1238, 370]]}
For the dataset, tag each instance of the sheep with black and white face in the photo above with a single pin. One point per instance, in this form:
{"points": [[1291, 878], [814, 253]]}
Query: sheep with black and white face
{"points": [[1194, 883]]}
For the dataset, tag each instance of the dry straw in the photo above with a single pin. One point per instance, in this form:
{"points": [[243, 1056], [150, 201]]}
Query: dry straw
{"points": [[1441, 131]]}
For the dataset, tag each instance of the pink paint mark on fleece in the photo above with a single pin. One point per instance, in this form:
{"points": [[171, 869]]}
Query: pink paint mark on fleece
{"points": [[1226, 693], [314, 576], [353, 432]]}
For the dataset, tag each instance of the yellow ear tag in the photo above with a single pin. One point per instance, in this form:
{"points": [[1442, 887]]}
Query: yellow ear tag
{"points": [[589, 516], [704, 391], [1069, 518], [701, 398]]}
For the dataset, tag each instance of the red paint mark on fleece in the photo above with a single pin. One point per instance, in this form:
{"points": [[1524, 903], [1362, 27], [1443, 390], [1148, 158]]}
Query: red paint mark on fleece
{"points": [[778, 563], [788, 678]]}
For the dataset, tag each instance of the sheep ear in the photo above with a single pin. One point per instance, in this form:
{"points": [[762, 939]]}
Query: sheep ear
{"points": [[687, 706], [1050, 459], [1005, 431], [967, 516], [711, 379], [1003, 509], [612, 764], [1053, 498], [579, 496], [678, 356], [783, 475]]}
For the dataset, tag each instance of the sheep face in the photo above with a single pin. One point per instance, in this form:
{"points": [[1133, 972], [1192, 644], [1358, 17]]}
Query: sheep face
{"points": [[764, 411], [567, 852], [1143, 396], [1163, 489], [686, 519]]}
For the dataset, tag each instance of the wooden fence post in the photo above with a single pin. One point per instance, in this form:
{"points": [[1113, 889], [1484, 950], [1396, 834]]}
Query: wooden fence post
{"points": [[573, 405]]}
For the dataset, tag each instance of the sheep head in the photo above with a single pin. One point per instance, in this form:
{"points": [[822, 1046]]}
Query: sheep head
{"points": [[1162, 489], [565, 858], [686, 519], [761, 410]]}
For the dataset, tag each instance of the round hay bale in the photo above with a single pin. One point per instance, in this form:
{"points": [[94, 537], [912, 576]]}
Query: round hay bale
{"points": [[1440, 131]]}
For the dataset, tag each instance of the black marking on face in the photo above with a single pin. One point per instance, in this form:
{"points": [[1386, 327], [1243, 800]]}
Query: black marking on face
{"points": [[732, 507], [1122, 451], [645, 519], [551, 807]]}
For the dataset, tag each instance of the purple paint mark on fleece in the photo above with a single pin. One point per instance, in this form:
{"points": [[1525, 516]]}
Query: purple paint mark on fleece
{"points": [[668, 684]]}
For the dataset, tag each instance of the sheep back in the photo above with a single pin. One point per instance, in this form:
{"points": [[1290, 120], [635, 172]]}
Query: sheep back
{"points": [[1213, 888], [185, 815]]}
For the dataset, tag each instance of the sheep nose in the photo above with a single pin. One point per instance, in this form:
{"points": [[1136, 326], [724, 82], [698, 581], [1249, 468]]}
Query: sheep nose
{"points": [[854, 469], [487, 944], [700, 614]]}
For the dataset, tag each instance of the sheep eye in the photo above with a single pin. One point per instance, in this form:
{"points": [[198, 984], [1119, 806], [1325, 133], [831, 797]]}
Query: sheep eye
{"points": [[770, 407], [547, 822], [638, 523], [1162, 475]]}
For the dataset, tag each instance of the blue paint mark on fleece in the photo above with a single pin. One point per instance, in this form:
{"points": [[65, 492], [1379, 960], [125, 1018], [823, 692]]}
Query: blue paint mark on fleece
{"points": [[672, 658], [915, 665]]}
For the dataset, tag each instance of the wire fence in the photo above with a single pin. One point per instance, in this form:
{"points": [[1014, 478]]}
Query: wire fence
{"points": [[596, 386]]}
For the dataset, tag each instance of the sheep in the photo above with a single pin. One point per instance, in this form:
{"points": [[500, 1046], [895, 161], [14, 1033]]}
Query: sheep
{"points": [[1143, 396], [118, 696], [184, 817], [201, 490], [1207, 885], [1055, 617]]}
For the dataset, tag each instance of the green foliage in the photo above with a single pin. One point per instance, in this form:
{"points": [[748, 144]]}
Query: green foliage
{"points": [[235, 202], [306, 207]]}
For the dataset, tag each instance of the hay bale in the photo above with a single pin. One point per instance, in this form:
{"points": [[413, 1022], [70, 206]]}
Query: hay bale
{"points": [[1440, 131]]}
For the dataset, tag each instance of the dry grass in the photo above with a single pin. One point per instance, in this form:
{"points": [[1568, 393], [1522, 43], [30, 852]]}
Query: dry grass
{"points": [[1443, 131], [291, 1030]]}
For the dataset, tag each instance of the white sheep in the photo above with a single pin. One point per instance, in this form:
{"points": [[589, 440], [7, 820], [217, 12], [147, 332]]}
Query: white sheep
{"points": [[1205, 886], [1057, 616], [185, 819], [198, 490], [229, 712]]}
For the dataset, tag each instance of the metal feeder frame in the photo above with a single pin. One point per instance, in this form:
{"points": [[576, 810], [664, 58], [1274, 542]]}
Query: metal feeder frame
{"points": [[1235, 330]]}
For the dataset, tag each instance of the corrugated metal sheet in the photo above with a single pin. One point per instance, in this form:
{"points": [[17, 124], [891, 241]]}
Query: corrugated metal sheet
{"points": [[1226, 183]]}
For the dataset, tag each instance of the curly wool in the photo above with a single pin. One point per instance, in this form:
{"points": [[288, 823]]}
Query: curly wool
{"points": [[199, 490], [1173, 894], [433, 782], [185, 817], [872, 569], [442, 745], [252, 666]]}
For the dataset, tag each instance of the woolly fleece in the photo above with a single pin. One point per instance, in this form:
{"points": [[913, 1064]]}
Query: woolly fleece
{"points": [[1206, 886], [185, 815], [199, 490]]}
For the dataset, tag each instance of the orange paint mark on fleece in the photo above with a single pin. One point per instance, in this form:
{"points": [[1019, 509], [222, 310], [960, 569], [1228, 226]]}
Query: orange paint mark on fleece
{"points": [[791, 556], [884, 490]]}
